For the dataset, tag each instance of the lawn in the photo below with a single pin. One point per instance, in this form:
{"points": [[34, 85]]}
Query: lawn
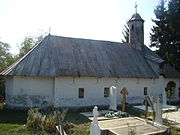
{"points": [[13, 122]]}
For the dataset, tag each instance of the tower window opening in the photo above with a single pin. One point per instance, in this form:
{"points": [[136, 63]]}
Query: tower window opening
{"points": [[132, 27]]}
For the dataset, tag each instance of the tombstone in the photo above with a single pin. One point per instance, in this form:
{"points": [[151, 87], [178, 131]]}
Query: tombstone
{"points": [[124, 92], [146, 107], [94, 127], [158, 111], [113, 98], [164, 97], [95, 115]]}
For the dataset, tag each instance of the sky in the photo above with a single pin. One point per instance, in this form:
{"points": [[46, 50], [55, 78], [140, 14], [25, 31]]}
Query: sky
{"points": [[89, 19]]}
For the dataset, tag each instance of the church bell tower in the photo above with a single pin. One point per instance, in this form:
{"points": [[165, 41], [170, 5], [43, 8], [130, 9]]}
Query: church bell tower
{"points": [[136, 31]]}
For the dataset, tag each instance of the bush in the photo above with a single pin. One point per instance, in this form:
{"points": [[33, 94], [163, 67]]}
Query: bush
{"points": [[38, 121], [50, 123], [35, 119]]}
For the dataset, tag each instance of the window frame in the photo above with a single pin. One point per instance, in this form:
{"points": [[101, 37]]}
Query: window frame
{"points": [[80, 93], [145, 91], [106, 92]]}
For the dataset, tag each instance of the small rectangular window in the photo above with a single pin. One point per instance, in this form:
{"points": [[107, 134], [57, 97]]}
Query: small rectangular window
{"points": [[145, 90], [106, 92], [81, 92]]}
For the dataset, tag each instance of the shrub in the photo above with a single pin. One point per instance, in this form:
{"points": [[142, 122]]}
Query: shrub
{"points": [[35, 119], [50, 123]]}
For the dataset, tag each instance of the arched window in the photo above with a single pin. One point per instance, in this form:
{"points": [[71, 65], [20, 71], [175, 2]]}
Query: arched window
{"points": [[170, 88], [171, 84]]}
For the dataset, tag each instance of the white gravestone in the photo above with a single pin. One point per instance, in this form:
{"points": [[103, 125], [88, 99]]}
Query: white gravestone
{"points": [[164, 98], [94, 127], [113, 98], [158, 112]]}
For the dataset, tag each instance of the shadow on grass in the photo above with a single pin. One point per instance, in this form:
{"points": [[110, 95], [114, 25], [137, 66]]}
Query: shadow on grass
{"points": [[76, 118], [8, 116], [134, 112]]}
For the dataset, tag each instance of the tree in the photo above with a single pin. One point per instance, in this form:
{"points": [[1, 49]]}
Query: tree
{"points": [[173, 18], [166, 32], [125, 34], [6, 59], [159, 35], [28, 43]]}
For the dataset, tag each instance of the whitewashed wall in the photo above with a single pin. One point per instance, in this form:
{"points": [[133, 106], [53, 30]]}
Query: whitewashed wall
{"points": [[39, 91], [28, 91], [66, 90]]}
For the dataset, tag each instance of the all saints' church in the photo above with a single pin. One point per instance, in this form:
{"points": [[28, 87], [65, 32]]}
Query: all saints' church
{"points": [[75, 72]]}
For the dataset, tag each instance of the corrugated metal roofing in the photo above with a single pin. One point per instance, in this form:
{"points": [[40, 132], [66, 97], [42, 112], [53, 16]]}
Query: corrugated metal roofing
{"points": [[63, 56]]}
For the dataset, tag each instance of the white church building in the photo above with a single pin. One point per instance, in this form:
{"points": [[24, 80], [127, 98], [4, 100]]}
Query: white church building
{"points": [[74, 72]]}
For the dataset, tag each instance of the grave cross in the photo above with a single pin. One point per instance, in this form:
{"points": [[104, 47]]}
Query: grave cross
{"points": [[124, 92]]}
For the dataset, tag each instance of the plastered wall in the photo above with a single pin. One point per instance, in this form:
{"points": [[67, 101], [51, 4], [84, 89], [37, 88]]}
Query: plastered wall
{"points": [[63, 91]]}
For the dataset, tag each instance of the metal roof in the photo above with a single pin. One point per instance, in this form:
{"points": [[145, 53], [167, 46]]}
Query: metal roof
{"points": [[170, 72], [64, 56], [136, 17]]}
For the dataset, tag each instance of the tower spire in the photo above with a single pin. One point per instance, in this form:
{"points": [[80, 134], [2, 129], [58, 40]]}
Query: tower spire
{"points": [[135, 7], [49, 30], [136, 31]]}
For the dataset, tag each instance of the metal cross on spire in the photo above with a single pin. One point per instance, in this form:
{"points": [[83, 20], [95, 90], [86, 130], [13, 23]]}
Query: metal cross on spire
{"points": [[49, 30], [136, 7]]}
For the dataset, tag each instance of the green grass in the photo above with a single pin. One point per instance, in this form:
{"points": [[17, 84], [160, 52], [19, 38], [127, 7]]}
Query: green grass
{"points": [[134, 112], [80, 124], [16, 129], [13, 122], [8, 116], [1, 105]]}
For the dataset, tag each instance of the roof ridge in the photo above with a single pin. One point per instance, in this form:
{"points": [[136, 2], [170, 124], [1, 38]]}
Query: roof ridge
{"points": [[77, 38]]}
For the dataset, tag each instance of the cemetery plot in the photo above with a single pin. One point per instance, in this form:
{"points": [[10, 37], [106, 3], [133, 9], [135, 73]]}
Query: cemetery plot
{"points": [[125, 126], [174, 117]]}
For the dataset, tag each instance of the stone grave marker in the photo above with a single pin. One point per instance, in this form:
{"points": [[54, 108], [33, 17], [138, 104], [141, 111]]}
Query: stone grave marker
{"points": [[146, 107], [158, 111], [164, 97], [113, 98], [94, 127]]}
